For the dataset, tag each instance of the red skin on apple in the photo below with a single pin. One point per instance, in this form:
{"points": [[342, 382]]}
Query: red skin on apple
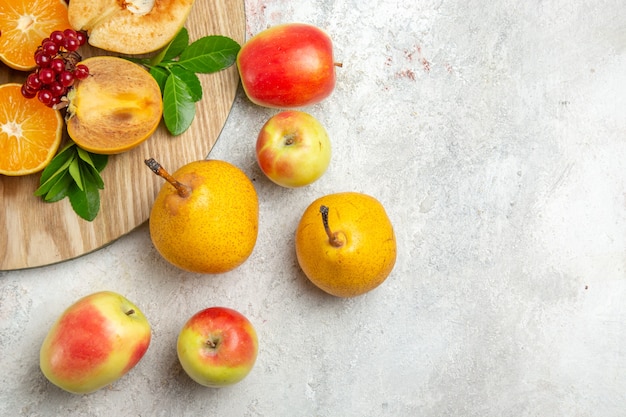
{"points": [[217, 347], [237, 348], [287, 66], [81, 343]]}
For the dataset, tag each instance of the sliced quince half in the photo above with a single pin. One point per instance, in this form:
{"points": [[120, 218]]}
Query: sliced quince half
{"points": [[129, 26], [116, 108]]}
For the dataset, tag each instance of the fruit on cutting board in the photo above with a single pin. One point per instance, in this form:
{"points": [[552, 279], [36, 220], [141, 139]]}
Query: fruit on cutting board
{"points": [[205, 218], [96, 341], [345, 243], [30, 132], [217, 347], [131, 26], [116, 108], [287, 66], [23, 24], [57, 68], [293, 148]]}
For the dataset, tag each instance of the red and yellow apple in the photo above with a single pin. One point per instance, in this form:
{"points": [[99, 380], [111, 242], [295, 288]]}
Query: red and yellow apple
{"points": [[287, 66], [217, 347], [293, 149], [96, 341]]}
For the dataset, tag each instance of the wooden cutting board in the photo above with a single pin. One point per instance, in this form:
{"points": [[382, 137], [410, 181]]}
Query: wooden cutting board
{"points": [[34, 233]]}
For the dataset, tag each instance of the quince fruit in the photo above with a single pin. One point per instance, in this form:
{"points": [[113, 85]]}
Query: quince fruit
{"points": [[129, 26]]}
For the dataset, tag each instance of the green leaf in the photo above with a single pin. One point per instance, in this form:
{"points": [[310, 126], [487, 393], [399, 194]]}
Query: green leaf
{"points": [[190, 79], [209, 54], [74, 173], [179, 109], [59, 190], [58, 163], [85, 156], [99, 161], [139, 61], [85, 202], [74, 170], [175, 69], [90, 173], [160, 75], [176, 46], [44, 186]]}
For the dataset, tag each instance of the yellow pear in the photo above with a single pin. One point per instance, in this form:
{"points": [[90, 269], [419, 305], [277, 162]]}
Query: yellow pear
{"points": [[205, 218], [345, 243]]}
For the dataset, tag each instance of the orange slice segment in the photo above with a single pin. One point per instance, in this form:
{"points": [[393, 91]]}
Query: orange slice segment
{"points": [[30, 132], [24, 24]]}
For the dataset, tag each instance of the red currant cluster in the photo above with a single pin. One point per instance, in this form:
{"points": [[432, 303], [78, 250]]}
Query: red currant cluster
{"points": [[57, 67]]}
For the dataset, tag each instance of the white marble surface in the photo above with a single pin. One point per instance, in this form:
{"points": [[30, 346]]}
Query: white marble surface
{"points": [[495, 135]]}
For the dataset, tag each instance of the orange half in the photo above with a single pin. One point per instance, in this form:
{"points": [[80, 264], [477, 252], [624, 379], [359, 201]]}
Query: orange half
{"points": [[24, 24], [30, 132]]}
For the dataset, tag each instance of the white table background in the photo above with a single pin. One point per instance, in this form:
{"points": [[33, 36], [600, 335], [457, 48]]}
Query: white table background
{"points": [[494, 132]]}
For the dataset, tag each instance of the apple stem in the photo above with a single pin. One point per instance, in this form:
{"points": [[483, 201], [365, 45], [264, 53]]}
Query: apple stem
{"points": [[130, 312], [290, 138], [338, 64], [183, 190], [333, 237]]}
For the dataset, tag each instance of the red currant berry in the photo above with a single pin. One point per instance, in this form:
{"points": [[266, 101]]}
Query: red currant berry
{"points": [[82, 37], [69, 33], [49, 48], [33, 82], [57, 37], [66, 78], [54, 101], [45, 96], [28, 92], [42, 59], [71, 44], [47, 76], [81, 72], [57, 89], [57, 65]]}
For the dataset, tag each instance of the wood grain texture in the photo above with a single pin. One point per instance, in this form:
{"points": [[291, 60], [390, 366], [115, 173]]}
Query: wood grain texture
{"points": [[34, 233]]}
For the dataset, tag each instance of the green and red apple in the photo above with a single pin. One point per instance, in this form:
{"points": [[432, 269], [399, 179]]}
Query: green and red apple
{"points": [[96, 341], [287, 66], [293, 149], [217, 347]]}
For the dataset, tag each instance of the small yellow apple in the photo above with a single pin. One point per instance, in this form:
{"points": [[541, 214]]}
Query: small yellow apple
{"points": [[293, 149], [217, 347]]}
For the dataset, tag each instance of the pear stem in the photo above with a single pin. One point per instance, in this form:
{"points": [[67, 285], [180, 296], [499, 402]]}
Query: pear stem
{"points": [[183, 190], [333, 237]]}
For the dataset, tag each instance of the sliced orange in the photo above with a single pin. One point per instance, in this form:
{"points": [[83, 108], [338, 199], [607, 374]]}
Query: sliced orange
{"points": [[24, 24], [30, 132]]}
